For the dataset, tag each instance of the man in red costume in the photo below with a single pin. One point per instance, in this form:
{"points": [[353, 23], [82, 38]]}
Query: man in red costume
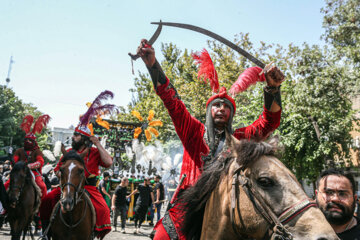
{"points": [[202, 142], [81, 141], [32, 155]]}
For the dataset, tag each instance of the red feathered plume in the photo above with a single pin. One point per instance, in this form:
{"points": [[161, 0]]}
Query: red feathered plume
{"points": [[207, 69], [40, 123], [97, 107], [26, 123], [248, 77]]}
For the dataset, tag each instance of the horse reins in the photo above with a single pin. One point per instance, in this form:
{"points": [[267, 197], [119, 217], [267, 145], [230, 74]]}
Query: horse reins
{"points": [[278, 230]]}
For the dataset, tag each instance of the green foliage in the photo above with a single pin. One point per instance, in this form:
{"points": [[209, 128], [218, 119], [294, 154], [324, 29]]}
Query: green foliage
{"points": [[12, 111], [342, 31]]}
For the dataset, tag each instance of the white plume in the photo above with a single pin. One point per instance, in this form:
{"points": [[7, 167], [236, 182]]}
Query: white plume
{"points": [[49, 155], [57, 149]]}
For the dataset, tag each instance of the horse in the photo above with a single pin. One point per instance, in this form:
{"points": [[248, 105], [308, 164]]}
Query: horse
{"points": [[248, 193], [73, 216], [24, 200]]}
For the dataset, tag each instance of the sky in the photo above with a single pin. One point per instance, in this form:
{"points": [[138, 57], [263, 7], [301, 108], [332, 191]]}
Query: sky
{"points": [[66, 52]]}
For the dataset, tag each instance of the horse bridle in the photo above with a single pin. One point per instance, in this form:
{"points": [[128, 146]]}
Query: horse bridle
{"points": [[277, 222], [78, 194]]}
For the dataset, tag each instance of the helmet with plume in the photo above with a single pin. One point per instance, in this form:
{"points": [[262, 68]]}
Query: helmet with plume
{"points": [[40, 123], [208, 72], [26, 124], [96, 109]]}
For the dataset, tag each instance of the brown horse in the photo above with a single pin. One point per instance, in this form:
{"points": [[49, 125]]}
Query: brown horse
{"points": [[247, 193], [74, 215], [24, 200]]}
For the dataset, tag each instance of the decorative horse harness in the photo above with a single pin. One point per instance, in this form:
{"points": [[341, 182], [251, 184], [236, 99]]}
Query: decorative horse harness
{"points": [[278, 232]]}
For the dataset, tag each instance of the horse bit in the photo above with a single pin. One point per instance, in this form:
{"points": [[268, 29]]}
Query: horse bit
{"points": [[279, 232]]}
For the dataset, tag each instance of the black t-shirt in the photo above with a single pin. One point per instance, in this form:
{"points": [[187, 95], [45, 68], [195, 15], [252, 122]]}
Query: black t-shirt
{"points": [[144, 195], [120, 193], [160, 186], [352, 233]]}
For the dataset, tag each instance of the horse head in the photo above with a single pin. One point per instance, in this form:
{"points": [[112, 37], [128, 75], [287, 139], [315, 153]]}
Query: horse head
{"points": [[247, 193], [72, 180], [19, 176]]}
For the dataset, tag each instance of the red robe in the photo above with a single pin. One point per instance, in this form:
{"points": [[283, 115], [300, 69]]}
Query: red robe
{"points": [[35, 161], [92, 163], [191, 133]]}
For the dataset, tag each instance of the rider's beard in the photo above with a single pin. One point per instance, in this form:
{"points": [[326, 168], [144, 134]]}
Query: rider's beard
{"points": [[77, 145], [338, 218]]}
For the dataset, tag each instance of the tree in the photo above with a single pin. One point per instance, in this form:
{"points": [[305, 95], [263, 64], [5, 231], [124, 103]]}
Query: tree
{"points": [[342, 31], [12, 111], [317, 117]]}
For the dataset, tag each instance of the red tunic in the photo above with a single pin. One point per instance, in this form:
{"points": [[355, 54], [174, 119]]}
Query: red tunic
{"points": [[92, 163], [191, 133], [35, 161]]}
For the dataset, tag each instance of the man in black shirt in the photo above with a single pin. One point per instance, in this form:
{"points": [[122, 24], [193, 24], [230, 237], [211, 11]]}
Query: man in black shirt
{"points": [[336, 197], [158, 196], [142, 203], [119, 204]]}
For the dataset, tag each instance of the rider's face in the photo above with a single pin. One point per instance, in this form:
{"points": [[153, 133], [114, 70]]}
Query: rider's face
{"points": [[220, 113]]}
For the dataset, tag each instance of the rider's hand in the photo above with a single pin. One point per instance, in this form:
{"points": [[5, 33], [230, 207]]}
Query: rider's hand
{"points": [[113, 207], [94, 140], [146, 52], [274, 77]]}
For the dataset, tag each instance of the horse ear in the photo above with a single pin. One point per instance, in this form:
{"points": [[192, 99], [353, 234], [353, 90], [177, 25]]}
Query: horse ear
{"points": [[63, 150], [275, 142]]}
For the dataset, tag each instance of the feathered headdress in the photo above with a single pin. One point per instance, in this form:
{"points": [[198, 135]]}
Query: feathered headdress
{"points": [[249, 77], [40, 123], [97, 109], [207, 70]]}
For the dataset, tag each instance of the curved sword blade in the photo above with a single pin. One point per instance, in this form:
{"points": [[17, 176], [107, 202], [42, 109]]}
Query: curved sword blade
{"points": [[151, 41], [215, 36]]}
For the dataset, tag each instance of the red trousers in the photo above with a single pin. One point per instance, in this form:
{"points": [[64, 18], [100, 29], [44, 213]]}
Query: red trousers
{"points": [[38, 181]]}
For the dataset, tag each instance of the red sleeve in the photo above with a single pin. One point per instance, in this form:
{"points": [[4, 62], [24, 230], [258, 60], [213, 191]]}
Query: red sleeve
{"points": [[185, 124], [261, 128], [38, 163]]}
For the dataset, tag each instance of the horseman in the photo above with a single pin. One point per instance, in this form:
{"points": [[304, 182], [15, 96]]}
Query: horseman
{"points": [[202, 142], [95, 157], [31, 153]]}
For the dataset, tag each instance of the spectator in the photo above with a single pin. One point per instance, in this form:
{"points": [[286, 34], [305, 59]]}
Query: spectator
{"points": [[142, 203], [104, 188], [159, 198], [119, 203], [335, 195]]}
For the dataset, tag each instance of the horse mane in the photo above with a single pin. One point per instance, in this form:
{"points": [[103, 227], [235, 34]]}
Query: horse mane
{"points": [[73, 155], [194, 199], [21, 165]]}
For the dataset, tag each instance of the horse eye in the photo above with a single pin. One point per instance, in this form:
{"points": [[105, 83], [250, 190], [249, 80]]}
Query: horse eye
{"points": [[265, 182], [80, 171]]}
